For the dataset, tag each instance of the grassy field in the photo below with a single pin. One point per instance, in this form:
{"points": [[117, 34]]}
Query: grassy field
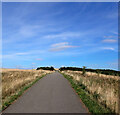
{"points": [[92, 105], [101, 88], [98, 91], [16, 81]]}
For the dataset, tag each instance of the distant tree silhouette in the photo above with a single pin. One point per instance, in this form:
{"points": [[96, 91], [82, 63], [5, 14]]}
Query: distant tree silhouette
{"points": [[46, 68], [83, 70]]}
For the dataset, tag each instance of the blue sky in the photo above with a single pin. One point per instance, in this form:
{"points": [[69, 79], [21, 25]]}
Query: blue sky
{"points": [[60, 34]]}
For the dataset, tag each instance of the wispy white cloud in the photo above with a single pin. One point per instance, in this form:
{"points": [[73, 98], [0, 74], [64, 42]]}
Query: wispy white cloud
{"points": [[27, 54], [109, 41], [110, 36], [21, 53], [64, 35], [114, 32], [108, 48], [83, 51], [14, 55], [61, 46], [29, 30]]}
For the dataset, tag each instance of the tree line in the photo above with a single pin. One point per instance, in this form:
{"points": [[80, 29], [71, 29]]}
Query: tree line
{"points": [[100, 71], [46, 68]]}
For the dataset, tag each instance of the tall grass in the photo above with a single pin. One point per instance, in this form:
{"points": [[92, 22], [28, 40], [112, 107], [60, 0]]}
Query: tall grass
{"points": [[14, 81], [92, 105], [104, 89]]}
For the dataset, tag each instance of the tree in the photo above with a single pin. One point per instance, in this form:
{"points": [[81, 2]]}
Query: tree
{"points": [[84, 71]]}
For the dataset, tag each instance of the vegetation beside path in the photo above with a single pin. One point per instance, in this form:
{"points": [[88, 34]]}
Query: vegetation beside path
{"points": [[86, 98], [15, 82]]}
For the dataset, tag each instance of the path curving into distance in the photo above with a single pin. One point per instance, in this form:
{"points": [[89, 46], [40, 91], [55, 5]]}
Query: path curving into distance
{"points": [[51, 94]]}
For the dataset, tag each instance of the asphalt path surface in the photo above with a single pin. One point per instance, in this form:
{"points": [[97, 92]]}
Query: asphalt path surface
{"points": [[51, 94]]}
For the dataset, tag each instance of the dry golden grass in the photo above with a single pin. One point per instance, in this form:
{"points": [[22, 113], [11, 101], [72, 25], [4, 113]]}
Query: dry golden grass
{"points": [[13, 80], [103, 87]]}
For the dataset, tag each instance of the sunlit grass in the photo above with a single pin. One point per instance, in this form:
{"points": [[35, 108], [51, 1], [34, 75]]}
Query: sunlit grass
{"points": [[15, 82], [102, 88]]}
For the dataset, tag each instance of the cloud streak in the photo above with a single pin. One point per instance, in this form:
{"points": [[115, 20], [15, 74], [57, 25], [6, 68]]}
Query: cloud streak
{"points": [[63, 35], [110, 36], [109, 41], [60, 46], [108, 48]]}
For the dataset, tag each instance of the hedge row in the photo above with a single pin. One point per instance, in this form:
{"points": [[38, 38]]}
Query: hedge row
{"points": [[102, 71]]}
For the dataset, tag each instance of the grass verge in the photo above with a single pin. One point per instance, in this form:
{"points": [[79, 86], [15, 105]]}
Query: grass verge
{"points": [[14, 97], [91, 104]]}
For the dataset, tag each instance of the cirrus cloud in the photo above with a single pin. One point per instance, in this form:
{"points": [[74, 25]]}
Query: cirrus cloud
{"points": [[109, 41], [108, 48], [60, 46], [63, 35]]}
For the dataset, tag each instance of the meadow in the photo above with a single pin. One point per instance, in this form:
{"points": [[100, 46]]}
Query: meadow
{"points": [[102, 88], [16, 81]]}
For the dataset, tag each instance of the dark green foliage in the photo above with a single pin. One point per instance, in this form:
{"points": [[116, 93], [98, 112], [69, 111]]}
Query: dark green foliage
{"points": [[82, 85], [102, 71], [46, 68], [70, 68], [96, 95]]}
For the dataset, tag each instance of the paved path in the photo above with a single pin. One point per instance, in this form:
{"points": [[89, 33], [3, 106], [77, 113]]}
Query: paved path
{"points": [[51, 94]]}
